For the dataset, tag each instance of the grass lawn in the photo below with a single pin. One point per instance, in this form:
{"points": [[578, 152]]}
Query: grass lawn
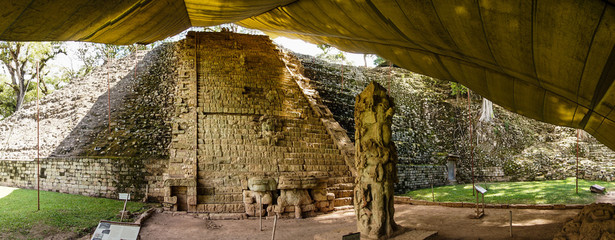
{"points": [[59, 213], [537, 192]]}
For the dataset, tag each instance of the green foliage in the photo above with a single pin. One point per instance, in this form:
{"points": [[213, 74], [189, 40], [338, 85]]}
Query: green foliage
{"points": [[7, 101], [332, 54], [536, 192], [21, 61], [61, 212], [379, 61], [457, 88]]}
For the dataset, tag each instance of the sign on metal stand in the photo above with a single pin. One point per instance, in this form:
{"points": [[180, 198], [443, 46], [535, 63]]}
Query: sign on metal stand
{"points": [[480, 212], [125, 197]]}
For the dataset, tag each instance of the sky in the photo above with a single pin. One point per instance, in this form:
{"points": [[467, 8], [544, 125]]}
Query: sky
{"points": [[70, 60], [299, 46]]}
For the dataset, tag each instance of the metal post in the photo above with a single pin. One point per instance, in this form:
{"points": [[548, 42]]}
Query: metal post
{"points": [[38, 145], [433, 198], [477, 208], [275, 221], [342, 88], [471, 147], [260, 211], [390, 69], [108, 98], [136, 63], [511, 223], [577, 177]]}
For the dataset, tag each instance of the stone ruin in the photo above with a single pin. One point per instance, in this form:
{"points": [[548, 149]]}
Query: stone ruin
{"points": [[245, 138], [376, 160], [245, 132], [595, 221]]}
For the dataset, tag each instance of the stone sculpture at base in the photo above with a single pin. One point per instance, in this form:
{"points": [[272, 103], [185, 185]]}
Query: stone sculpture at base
{"points": [[375, 161]]}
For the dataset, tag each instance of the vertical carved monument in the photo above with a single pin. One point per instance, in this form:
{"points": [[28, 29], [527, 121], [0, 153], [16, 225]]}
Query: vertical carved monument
{"points": [[376, 160]]}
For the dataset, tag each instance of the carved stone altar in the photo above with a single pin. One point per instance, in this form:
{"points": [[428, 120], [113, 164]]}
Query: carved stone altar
{"points": [[376, 159]]}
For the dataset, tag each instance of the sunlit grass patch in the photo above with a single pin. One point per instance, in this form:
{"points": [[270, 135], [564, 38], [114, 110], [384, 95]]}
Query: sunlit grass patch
{"points": [[59, 212], [536, 192]]}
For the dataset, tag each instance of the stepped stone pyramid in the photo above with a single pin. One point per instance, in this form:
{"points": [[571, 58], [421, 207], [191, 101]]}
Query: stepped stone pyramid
{"points": [[215, 123]]}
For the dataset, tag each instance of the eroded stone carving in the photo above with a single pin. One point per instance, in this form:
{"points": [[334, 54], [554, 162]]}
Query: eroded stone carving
{"points": [[595, 221], [375, 160], [270, 129], [261, 192]]}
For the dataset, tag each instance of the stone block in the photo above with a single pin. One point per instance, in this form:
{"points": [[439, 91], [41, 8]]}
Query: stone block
{"points": [[262, 184], [330, 196]]}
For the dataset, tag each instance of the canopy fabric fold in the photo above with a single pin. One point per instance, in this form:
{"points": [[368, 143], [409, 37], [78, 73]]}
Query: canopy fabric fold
{"points": [[551, 60]]}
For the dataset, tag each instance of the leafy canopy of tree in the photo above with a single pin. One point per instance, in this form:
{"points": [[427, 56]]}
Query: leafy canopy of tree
{"points": [[22, 61]]}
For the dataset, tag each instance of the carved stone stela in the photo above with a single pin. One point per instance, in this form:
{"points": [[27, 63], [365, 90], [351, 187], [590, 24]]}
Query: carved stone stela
{"points": [[376, 160]]}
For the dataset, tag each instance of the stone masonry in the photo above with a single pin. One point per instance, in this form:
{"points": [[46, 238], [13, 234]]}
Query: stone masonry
{"points": [[238, 129], [252, 120], [412, 177]]}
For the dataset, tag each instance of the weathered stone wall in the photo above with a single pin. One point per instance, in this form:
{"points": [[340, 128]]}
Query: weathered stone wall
{"points": [[99, 177], [201, 117], [413, 177], [431, 123], [252, 120]]}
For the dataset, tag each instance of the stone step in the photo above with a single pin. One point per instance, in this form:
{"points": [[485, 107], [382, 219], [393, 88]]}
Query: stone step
{"points": [[343, 193], [343, 186], [343, 208], [342, 201]]}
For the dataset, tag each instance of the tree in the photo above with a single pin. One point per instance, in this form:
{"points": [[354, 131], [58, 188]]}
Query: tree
{"points": [[22, 60], [486, 113], [332, 54]]}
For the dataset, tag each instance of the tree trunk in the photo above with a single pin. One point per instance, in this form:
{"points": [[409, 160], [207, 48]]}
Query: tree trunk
{"points": [[487, 111]]}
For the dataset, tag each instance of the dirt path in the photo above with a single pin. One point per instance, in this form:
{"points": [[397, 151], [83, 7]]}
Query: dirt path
{"points": [[451, 223], [608, 197]]}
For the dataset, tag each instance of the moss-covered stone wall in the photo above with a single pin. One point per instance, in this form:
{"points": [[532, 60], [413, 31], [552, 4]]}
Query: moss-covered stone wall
{"points": [[98, 177]]}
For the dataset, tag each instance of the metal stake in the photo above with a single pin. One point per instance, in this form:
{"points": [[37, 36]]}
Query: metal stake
{"points": [[471, 147], [433, 198], [108, 99], [577, 177], [275, 221], [342, 88], [260, 211], [38, 145], [511, 223]]}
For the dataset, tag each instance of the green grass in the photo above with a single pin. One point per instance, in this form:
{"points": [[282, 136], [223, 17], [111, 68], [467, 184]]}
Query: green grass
{"points": [[59, 213], [537, 192]]}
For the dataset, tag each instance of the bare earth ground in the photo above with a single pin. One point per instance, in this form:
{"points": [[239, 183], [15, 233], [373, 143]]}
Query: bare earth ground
{"points": [[451, 223]]}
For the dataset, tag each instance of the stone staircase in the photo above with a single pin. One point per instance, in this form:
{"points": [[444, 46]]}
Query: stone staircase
{"points": [[343, 188]]}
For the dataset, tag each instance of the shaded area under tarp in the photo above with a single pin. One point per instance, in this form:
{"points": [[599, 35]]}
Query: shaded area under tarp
{"points": [[553, 61]]}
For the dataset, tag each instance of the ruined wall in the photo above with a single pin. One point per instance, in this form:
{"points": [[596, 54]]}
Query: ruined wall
{"points": [[432, 122], [413, 177], [194, 123], [98, 177], [252, 120]]}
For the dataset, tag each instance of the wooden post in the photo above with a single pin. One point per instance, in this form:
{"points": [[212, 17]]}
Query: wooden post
{"points": [[260, 211]]}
